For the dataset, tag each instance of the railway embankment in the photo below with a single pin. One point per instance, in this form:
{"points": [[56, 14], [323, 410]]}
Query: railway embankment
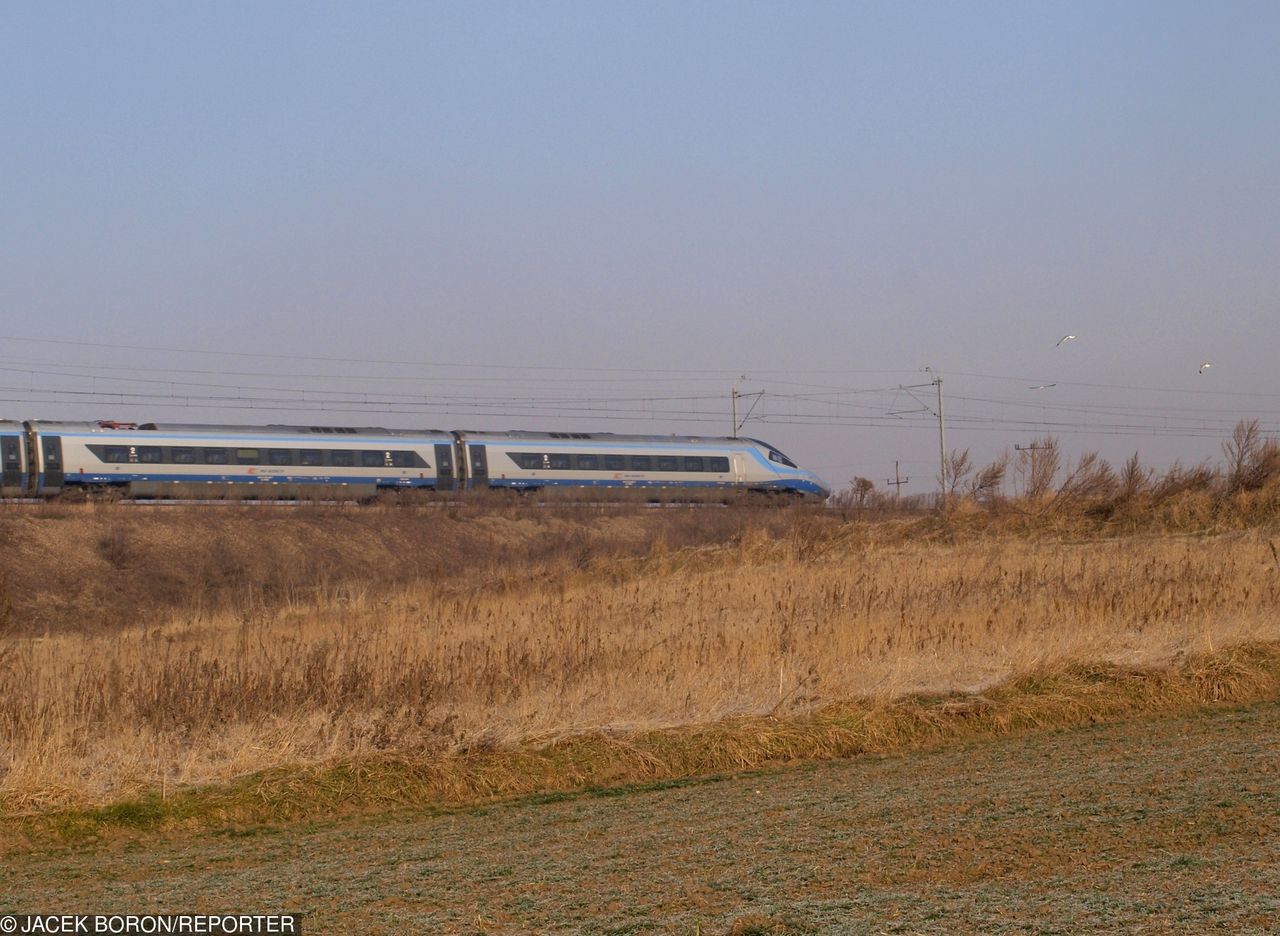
{"points": [[97, 567]]}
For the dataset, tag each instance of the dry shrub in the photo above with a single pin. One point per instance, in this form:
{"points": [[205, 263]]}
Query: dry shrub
{"points": [[1036, 468], [1090, 481], [1135, 480], [1253, 461], [987, 484], [1046, 499]]}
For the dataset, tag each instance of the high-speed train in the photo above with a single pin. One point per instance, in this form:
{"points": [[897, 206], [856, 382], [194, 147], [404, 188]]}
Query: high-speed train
{"points": [[44, 459]]}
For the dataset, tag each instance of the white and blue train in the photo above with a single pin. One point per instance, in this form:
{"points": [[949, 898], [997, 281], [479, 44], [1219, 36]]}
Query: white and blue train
{"points": [[44, 459]]}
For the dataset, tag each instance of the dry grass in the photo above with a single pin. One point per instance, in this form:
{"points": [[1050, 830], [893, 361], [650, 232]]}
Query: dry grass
{"points": [[610, 624], [95, 567]]}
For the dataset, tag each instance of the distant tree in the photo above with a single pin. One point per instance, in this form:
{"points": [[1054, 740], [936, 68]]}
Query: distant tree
{"points": [[863, 491]]}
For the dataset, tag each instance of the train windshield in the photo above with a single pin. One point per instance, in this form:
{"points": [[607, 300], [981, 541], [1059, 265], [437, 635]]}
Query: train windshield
{"points": [[775, 455]]}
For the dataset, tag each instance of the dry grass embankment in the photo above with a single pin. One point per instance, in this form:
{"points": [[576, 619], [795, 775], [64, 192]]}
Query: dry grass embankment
{"points": [[590, 628]]}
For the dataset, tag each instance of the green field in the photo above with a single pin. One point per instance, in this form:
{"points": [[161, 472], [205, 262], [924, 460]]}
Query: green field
{"points": [[1165, 825]]}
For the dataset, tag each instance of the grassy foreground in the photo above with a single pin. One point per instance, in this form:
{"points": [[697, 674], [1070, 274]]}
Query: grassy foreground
{"points": [[577, 650], [1075, 696], [1164, 824]]}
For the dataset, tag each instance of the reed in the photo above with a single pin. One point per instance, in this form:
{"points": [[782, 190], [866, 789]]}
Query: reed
{"points": [[612, 626]]}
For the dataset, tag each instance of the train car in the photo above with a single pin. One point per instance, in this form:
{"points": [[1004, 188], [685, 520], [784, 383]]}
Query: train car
{"points": [[149, 459], [532, 460], [14, 477]]}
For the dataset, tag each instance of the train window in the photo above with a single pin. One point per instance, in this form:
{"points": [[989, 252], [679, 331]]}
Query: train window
{"points": [[182, 456], [780, 458], [342, 458], [615, 462], [117, 454], [52, 453], [641, 463], [248, 457], [215, 456], [526, 460], [402, 459], [666, 463], [559, 462], [586, 462], [373, 459], [279, 456], [692, 463], [311, 457], [718, 463], [151, 454]]}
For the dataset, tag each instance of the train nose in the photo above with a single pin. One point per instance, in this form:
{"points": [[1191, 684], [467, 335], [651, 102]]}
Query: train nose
{"points": [[824, 489]]}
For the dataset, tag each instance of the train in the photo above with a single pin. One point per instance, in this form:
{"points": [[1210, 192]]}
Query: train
{"points": [[48, 459]]}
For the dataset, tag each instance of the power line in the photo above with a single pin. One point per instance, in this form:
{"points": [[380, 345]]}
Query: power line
{"points": [[587, 409], [711, 372]]}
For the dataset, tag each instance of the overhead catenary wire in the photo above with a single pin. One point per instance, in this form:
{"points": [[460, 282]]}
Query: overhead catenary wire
{"points": [[550, 392], [275, 355], [377, 406]]}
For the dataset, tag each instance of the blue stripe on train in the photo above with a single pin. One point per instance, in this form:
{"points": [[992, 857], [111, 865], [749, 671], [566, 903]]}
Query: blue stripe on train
{"points": [[72, 479], [806, 487]]}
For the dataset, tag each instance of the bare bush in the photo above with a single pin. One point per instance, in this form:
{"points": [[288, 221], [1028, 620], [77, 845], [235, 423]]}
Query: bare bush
{"points": [[1252, 460], [1037, 468], [987, 484], [1178, 481], [1134, 479], [956, 468], [1091, 480]]}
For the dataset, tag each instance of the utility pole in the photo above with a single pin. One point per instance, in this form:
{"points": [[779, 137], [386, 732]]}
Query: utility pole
{"points": [[897, 481], [942, 439], [734, 396], [942, 442]]}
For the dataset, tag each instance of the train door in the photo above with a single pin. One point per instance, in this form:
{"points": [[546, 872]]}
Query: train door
{"points": [[479, 475], [444, 467], [12, 477], [50, 463], [739, 468]]}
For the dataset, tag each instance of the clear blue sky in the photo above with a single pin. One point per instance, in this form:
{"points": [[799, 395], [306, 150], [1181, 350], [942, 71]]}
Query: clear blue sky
{"points": [[657, 198]]}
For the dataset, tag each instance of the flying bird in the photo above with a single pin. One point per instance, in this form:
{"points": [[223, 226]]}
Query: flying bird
{"points": [[1205, 366], [1065, 338], [1043, 386]]}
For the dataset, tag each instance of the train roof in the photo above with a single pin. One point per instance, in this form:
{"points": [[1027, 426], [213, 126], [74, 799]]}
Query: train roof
{"points": [[108, 427], [601, 438]]}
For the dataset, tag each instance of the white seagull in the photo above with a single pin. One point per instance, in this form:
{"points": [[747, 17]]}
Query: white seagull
{"points": [[1065, 338], [1205, 366]]}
